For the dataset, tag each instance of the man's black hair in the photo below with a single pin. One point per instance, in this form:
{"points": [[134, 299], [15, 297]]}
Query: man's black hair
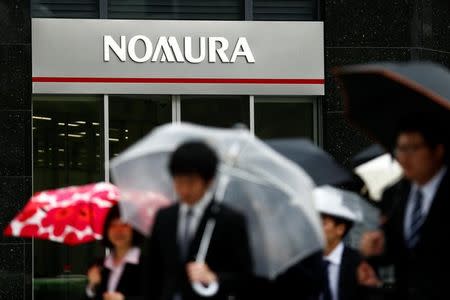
{"points": [[114, 213], [338, 220], [194, 157], [431, 129]]}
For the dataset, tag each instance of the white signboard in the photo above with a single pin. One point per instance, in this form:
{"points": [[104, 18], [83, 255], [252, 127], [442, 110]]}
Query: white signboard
{"points": [[177, 57]]}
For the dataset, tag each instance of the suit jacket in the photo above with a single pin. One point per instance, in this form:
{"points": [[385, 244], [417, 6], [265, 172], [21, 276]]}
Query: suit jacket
{"points": [[306, 279], [348, 287], [129, 283], [422, 272], [228, 255], [302, 281]]}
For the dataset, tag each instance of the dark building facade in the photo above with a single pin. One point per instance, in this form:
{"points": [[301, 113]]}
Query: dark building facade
{"points": [[355, 32], [368, 31], [15, 144]]}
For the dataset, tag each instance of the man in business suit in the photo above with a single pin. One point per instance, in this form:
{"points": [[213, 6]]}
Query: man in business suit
{"points": [[415, 233], [178, 230], [341, 262], [302, 281]]}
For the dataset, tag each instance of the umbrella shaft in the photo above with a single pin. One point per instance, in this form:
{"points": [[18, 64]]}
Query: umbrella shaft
{"points": [[206, 239]]}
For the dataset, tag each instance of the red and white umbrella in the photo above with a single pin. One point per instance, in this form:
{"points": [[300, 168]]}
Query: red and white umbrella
{"points": [[71, 215]]}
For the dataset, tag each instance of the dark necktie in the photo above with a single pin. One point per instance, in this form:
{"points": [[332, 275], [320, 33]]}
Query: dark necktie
{"points": [[416, 220], [326, 295], [186, 238]]}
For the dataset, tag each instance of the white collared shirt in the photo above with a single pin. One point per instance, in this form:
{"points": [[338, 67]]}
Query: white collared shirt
{"points": [[334, 259], [428, 191], [198, 210], [131, 257]]}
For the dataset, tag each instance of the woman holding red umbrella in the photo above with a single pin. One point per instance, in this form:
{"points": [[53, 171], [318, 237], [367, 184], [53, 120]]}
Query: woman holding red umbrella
{"points": [[115, 278]]}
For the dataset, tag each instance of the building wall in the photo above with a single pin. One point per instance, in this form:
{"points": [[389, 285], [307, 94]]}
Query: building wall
{"points": [[365, 31], [15, 143]]}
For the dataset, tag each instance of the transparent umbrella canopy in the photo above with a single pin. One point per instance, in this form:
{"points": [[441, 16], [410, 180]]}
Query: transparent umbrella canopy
{"points": [[274, 194]]}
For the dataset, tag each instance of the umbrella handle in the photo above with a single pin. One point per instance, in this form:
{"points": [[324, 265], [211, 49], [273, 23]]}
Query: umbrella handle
{"points": [[206, 291], [206, 238], [212, 288]]}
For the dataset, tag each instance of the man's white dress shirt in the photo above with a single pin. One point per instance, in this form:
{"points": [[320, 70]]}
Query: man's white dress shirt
{"points": [[334, 259]]}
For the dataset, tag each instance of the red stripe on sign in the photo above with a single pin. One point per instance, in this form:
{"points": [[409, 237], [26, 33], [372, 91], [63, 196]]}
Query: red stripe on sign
{"points": [[178, 80]]}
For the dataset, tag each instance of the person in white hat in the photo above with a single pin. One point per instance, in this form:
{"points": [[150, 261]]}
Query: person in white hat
{"points": [[338, 214]]}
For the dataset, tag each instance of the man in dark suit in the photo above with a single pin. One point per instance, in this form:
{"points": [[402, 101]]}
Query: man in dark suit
{"points": [[178, 230], [414, 234], [302, 281], [341, 262]]}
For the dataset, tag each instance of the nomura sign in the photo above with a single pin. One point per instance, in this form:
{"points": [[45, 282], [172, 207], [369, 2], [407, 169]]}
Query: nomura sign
{"points": [[168, 49], [89, 56]]}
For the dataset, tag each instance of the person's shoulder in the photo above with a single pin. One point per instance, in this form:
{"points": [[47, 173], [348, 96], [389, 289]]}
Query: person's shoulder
{"points": [[168, 210], [229, 215], [227, 211], [353, 253], [396, 187], [351, 256], [166, 214], [443, 189], [394, 196], [446, 179]]}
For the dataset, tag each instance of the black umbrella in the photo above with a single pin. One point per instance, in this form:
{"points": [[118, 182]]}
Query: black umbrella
{"points": [[379, 96], [367, 154], [320, 165]]}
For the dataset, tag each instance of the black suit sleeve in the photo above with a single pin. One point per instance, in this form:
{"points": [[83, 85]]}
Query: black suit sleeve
{"points": [[238, 280], [304, 280], [152, 264]]}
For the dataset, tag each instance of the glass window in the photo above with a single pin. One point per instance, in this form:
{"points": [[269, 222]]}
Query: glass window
{"points": [[68, 143], [277, 117], [285, 10], [133, 116], [218, 111], [176, 10], [87, 9]]}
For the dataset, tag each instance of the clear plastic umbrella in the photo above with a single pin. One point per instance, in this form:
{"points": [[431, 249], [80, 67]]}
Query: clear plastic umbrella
{"points": [[273, 193], [370, 220], [139, 208]]}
